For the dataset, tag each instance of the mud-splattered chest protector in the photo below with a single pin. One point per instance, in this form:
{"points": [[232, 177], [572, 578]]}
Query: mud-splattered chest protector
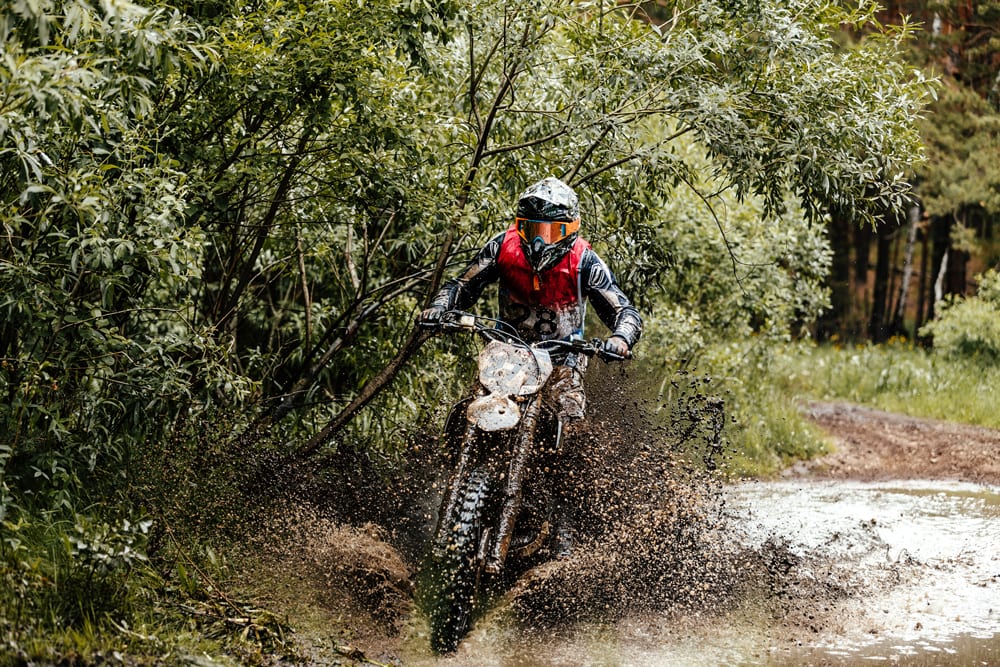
{"points": [[541, 306]]}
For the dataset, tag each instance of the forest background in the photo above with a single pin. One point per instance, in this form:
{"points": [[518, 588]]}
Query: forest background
{"points": [[221, 218]]}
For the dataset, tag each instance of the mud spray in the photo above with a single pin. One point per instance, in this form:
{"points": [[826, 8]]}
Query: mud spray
{"points": [[667, 569], [339, 556]]}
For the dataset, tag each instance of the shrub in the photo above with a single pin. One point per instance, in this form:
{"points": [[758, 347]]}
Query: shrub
{"points": [[970, 327]]}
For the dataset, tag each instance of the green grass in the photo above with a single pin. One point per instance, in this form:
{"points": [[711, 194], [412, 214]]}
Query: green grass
{"points": [[81, 584], [764, 386], [897, 376], [55, 610]]}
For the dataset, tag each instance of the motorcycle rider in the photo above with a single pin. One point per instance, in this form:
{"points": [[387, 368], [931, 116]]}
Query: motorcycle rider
{"points": [[547, 273]]}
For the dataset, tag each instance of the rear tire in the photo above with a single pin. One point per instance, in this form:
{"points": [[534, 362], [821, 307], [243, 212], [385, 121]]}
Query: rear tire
{"points": [[454, 568]]}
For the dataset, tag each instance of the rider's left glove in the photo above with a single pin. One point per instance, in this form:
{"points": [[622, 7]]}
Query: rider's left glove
{"points": [[618, 346], [431, 317]]}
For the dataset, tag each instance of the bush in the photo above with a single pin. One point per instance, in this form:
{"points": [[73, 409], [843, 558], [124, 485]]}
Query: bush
{"points": [[970, 327]]}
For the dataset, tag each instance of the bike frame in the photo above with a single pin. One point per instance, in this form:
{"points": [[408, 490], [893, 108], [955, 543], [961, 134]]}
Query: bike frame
{"points": [[514, 447]]}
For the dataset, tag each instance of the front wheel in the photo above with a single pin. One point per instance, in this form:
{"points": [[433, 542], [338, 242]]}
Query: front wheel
{"points": [[455, 567]]}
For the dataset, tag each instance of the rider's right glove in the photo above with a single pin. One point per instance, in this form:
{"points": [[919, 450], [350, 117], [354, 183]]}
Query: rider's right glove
{"points": [[617, 346], [431, 317]]}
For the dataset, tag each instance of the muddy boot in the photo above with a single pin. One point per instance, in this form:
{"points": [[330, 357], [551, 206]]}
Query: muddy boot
{"points": [[526, 542], [565, 540]]}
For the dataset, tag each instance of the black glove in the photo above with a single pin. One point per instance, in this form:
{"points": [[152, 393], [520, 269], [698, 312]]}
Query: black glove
{"points": [[431, 317], [618, 346]]}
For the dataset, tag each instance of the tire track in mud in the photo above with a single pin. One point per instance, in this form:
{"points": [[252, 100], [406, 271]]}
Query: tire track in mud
{"points": [[873, 444]]}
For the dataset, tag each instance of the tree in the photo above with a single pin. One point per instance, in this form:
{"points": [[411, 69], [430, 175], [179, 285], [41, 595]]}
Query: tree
{"points": [[588, 92], [95, 264], [955, 186], [319, 169]]}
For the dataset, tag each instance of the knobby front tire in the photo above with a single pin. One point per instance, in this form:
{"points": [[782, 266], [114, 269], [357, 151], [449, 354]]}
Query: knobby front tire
{"points": [[455, 566]]}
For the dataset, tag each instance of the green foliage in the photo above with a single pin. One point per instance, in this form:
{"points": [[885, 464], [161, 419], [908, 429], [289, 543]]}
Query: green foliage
{"points": [[970, 327], [95, 259], [745, 274], [781, 104], [235, 208], [66, 573], [962, 134], [97, 347], [898, 377], [77, 586]]}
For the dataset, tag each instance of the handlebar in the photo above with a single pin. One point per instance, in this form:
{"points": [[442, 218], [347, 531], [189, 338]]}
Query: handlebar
{"points": [[458, 320]]}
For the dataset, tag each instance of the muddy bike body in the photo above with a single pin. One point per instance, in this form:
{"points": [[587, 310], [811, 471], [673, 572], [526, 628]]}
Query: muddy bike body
{"points": [[492, 521]]}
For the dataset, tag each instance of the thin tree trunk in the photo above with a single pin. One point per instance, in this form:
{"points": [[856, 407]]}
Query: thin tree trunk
{"points": [[940, 231], [371, 389], [923, 281], [939, 282], [834, 320], [913, 217], [860, 306], [891, 288]]}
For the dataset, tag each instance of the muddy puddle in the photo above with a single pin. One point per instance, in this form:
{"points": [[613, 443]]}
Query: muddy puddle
{"points": [[924, 558], [891, 572], [921, 560]]}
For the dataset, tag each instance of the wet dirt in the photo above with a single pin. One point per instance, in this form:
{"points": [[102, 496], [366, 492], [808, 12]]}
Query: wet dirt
{"points": [[872, 444], [910, 509], [885, 550]]}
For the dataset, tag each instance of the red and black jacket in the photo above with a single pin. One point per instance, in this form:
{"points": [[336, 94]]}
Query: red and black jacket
{"points": [[545, 305]]}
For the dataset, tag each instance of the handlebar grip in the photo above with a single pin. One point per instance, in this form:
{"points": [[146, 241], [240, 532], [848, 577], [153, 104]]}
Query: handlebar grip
{"points": [[611, 356]]}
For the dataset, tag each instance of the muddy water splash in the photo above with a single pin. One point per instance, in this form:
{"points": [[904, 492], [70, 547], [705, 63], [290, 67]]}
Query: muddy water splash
{"points": [[654, 550], [919, 559], [650, 517], [906, 573], [673, 567]]}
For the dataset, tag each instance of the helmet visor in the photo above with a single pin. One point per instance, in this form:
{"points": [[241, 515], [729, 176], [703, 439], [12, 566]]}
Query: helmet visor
{"points": [[549, 231]]}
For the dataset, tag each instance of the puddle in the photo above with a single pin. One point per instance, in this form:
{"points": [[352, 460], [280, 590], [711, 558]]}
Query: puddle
{"points": [[940, 539], [919, 563]]}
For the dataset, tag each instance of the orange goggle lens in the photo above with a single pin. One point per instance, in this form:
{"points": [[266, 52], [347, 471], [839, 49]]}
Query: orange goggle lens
{"points": [[550, 231]]}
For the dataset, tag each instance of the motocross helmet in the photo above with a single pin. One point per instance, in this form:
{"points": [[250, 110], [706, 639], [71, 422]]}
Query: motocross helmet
{"points": [[548, 221]]}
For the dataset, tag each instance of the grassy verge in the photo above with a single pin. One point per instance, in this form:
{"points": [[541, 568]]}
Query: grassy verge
{"points": [[764, 385], [898, 377], [92, 573], [58, 607]]}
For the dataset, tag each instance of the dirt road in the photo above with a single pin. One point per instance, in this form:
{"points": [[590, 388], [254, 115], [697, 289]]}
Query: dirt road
{"points": [[876, 445]]}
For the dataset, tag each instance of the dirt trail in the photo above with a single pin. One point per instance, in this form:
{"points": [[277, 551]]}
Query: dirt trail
{"points": [[875, 445]]}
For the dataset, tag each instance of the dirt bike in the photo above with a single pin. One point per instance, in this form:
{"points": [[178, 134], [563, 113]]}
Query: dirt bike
{"points": [[485, 529]]}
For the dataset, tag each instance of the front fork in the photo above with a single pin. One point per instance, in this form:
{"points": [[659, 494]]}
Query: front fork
{"points": [[468, 449], [524, 441], [497, 541]]}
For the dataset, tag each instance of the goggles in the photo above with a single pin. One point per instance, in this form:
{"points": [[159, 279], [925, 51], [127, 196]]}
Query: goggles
{"points": [[549, 231]]}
